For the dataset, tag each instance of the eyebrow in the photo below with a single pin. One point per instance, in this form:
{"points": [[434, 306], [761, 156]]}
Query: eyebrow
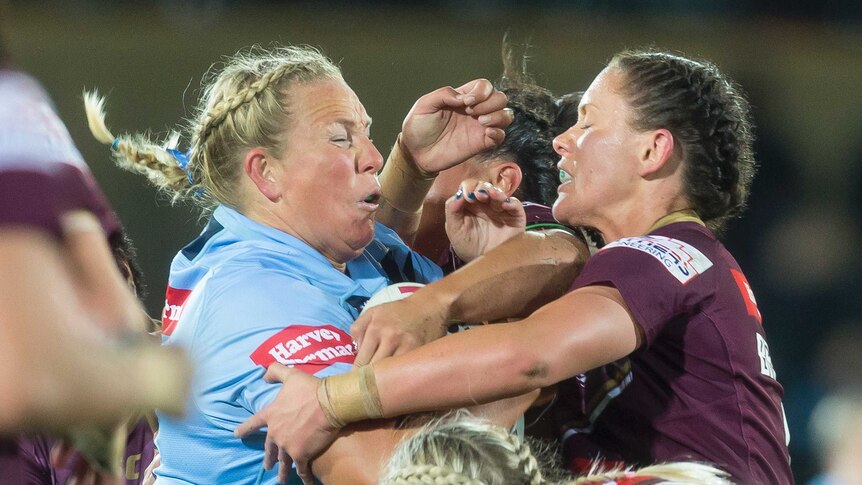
{"points": [[366, 123]]}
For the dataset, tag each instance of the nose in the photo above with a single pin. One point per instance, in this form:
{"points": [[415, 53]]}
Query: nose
{"points": [[562, 142], [370, 160]]}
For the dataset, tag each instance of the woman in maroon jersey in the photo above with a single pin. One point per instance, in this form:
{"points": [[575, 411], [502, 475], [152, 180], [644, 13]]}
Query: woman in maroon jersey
{"points": [[660, 159]]}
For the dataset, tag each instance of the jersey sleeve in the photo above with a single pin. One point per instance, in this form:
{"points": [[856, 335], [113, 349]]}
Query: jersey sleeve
{"points": [[258, 316], [42, 174], [38, 198], [658, 278]]}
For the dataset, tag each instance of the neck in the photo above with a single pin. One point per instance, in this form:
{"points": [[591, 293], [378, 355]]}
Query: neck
{"points": [[263, 215], [637, 218]]}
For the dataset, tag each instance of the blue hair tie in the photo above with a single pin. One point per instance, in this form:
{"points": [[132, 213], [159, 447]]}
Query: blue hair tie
{"points": [[182, 159]]}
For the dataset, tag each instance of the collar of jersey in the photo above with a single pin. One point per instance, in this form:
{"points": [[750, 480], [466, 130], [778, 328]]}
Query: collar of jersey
{"points": [[248, 229]]}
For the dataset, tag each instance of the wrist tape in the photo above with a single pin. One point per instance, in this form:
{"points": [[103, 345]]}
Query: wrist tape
{"points": [[350, 397]]}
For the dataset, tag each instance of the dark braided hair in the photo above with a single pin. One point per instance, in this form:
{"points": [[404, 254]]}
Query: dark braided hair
{"points": [[539, 117], [710, 121]]}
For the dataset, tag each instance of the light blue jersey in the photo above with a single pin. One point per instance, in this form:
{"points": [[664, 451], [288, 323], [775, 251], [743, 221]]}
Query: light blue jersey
{"points": [[241, 296]]}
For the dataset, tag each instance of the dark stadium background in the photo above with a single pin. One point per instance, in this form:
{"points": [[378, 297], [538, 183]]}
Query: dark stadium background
{"points": [[800, 62]]}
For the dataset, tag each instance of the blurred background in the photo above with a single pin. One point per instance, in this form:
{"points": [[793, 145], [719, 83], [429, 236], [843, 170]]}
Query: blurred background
{"points": [[800, 63]]}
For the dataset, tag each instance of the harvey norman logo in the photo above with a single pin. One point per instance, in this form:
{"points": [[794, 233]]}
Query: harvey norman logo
{"points": [[306, 347], [682, 260]]}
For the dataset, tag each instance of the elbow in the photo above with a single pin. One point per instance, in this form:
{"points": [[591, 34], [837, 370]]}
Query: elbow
{"points": [[569, 251]]}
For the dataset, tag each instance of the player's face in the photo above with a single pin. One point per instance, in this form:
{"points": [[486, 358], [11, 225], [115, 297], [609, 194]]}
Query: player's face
{"points": [[598, 156], [329, 178]]}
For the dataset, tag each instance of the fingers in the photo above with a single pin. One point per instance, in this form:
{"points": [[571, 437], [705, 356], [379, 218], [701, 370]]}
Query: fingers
{"points": [[276, 373], [482, 98], [270, 454], [477, 97], [284, 465], [303, 469], [366, 351], [386, 348], [250, 425], [472, 191], [357, 330]]}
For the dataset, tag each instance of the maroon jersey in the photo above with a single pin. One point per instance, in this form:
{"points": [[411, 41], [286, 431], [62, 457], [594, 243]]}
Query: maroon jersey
{"points": [[702, 386], [26, 461], [137, 457], [42, 174]]}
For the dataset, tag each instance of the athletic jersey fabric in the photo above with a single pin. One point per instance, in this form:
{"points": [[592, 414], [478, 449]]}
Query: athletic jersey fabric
{"points": [[42, 174], [702, 386], [244, 295]]}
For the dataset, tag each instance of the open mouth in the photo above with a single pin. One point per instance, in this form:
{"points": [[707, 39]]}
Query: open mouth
{"points": [[372, 198]]}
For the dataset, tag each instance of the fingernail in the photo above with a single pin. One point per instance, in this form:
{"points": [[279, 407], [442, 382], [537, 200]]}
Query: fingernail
{"points": [[471, 196], [484, 119], [483, 191], [469, 99], [459, 194]]}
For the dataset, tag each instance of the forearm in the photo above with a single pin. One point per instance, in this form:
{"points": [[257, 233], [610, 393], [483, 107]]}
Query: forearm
{"points": [[360, 453], [510, 281], [56, 369], [465, 369], [582, 330], [404, 187]]}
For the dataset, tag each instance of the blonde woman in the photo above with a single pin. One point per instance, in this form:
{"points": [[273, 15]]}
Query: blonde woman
{"points": [[281, 155]]}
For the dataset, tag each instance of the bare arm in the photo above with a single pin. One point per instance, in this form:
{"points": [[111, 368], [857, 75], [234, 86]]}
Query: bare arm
{"points": [[580, 331], [512, 280], [584, 329], [442, 129], [360, 453], [53, 360]]}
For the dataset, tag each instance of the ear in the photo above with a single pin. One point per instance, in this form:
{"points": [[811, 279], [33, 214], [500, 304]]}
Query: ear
{"points": [[506, 176], [657, 150], [261, 171]]}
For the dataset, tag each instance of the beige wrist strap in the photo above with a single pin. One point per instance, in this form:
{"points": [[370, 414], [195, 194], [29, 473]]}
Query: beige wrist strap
{"points": [[404, 185], [351, 397]]}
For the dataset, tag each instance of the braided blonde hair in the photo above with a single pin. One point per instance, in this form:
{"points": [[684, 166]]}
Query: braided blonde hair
{"points": [[678, 473], [461, 449], [244, 104]]}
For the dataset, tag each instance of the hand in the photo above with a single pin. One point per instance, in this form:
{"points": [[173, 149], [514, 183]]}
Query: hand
{"points": [[447, 126], [396, 327], [295, 422], [480, 217]]}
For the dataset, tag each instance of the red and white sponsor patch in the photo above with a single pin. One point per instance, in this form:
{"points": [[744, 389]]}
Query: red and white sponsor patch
{"points": [[306, 347], [747, 295], [175, 298], [682, 260]]}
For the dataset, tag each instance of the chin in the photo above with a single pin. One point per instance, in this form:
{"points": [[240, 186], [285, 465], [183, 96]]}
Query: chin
{"points": [[564, 213]]}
